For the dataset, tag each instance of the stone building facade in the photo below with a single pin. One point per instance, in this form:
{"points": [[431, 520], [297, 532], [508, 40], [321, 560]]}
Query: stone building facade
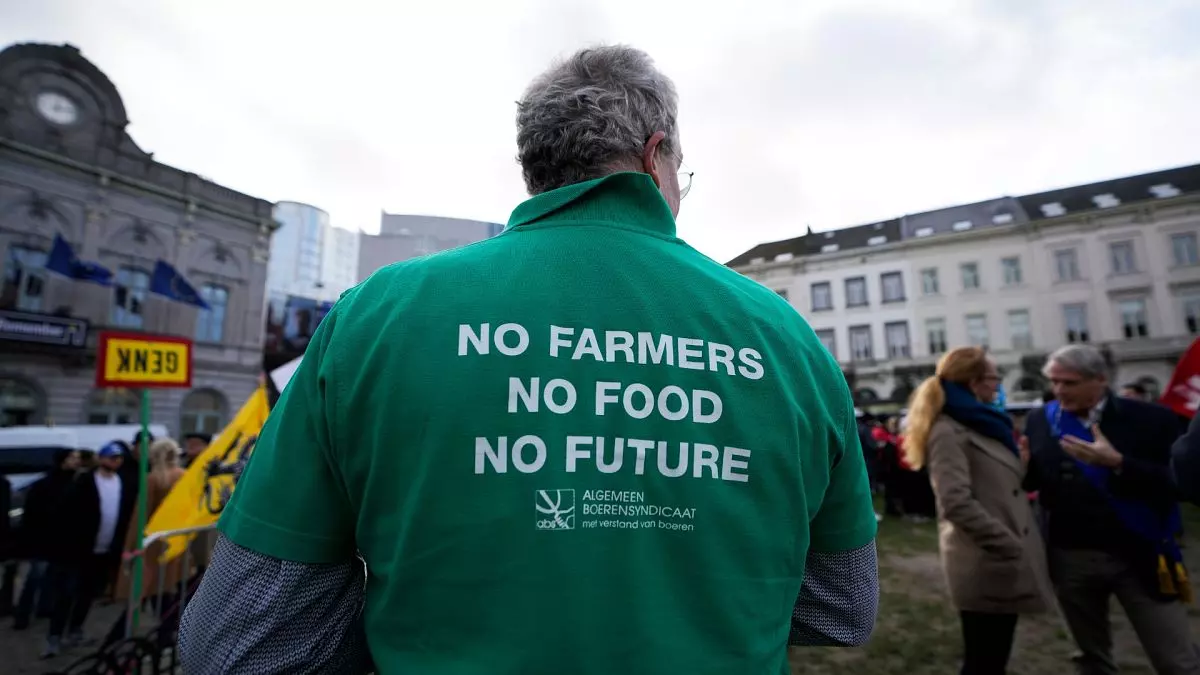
{"points": [[69, 168]]}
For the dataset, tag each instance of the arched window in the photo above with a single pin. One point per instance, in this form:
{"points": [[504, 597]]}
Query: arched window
{"points": [[112, 406], [129, 297], [210, 323], [20, 402], [203, 412]]}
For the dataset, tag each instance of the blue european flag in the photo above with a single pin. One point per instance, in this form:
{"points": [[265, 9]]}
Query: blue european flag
{"points": [[169, 283], [62, 259]]}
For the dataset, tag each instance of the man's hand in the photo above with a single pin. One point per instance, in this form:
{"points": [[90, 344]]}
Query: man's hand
{"points": [[1096, 453]]}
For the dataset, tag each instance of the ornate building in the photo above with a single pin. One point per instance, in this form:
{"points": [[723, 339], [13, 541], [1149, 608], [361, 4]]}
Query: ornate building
{"points": [[69, 168]]}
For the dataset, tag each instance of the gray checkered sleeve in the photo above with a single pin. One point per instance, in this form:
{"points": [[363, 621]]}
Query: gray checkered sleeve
{"points": [[838, 599], [256, 615]]}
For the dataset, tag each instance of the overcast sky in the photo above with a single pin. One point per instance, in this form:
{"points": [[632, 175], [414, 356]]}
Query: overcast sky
{"points": [[822, 113]]}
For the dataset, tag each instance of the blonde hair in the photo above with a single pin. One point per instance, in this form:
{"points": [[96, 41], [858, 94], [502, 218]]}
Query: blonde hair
{"points": [[960, 366], [164, 456]]}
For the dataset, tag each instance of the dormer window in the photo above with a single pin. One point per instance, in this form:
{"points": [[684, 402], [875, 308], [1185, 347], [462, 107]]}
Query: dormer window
{"points": [[1165, 191], [1053, 209]]}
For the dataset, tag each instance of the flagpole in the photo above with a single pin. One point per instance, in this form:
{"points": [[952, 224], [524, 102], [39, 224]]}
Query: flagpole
{"points": [[143, 468]]}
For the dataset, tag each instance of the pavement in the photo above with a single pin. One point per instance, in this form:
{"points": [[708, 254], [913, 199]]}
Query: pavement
{"points": [[22, 650]]}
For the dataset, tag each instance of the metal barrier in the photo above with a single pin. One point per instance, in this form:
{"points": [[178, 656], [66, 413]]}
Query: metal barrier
{"points": [[132, 609], [154, 651]]}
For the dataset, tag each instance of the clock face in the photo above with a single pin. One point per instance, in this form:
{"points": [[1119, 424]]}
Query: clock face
{"points": [[57, 108]]}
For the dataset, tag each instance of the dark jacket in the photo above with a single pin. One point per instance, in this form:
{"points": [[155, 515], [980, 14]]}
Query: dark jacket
{"points": [[1185, 462], [79, 518], [7, 538], [1080, 516], [38, 529]]}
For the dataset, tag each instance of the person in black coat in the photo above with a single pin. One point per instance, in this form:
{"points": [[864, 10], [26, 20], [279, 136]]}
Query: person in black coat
{"points": [[1185, 462], [92, 523], [8, 570], [1100, 464], [36, 535]]}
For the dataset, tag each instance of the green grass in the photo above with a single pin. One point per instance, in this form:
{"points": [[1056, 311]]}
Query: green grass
{"points": [[917, 631]]}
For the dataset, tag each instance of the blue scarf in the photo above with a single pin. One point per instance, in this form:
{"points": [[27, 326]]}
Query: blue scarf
{"points": [[1138, 517], [962, 407]]}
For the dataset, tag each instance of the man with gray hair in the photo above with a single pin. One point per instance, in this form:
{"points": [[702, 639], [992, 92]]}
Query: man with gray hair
{"points": [[1100, 465], [577, 447]]}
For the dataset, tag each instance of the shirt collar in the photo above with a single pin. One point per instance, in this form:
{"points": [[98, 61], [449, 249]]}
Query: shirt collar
{"points": [[625, 200], [1107, 404]]}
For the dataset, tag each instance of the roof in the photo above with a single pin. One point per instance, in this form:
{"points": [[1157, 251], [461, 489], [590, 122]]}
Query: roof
{"points": [[100, 136], [1110, 193], [999, 212], [990, 213]]}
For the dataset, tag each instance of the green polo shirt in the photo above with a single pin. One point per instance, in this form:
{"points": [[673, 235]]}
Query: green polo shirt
{"points": [[578, 447]]}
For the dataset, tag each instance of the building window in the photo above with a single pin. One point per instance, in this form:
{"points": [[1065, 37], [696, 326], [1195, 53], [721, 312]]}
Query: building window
{"points": [[1012, 271], [892, 285], [203, 412], [1183, 249], [929, 281], [1120, 254], [828, 338], [19, 403], [856, 292], [1075, 320], [1191, 313], [129, 297], [210, 323], [822, 296], [112, 406], [896, 335], [1133, 318], [860, 343], [935, 332], [1019, 329], [970, 276], [1066, 265], [977, 330], [24, 279]]}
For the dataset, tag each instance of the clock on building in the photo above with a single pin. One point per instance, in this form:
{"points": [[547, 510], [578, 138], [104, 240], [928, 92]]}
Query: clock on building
{"points": [[57, 108]]}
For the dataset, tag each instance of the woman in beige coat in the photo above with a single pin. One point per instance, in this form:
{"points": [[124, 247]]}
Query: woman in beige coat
{"points": [[164, 473], [990, 546]]}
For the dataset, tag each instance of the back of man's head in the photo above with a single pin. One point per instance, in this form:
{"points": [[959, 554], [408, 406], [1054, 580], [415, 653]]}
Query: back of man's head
{"points": [[590, 115]]}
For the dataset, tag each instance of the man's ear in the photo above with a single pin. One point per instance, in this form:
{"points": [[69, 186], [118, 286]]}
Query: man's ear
{"points": [[650, 157]]}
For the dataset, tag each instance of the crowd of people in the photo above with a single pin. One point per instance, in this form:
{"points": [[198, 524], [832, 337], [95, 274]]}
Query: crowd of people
{"points": [[905, 488], [77, 526]]}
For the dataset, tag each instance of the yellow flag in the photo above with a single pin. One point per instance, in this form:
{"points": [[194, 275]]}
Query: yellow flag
{"points": [[200, 496]]}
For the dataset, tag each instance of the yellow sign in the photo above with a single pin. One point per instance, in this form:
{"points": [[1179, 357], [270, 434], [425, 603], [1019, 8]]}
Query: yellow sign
{"points": [[135, 360], [202, 493]]}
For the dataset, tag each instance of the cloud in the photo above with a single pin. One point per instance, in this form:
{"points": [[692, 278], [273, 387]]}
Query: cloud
{"points": [[827, 112]]}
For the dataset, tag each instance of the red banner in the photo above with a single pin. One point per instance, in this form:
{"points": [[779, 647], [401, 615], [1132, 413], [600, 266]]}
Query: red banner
{"points": [[1183, 394]]}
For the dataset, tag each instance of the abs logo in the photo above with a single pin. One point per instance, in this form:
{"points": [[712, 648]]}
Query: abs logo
{"points": [[555, 509]]}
